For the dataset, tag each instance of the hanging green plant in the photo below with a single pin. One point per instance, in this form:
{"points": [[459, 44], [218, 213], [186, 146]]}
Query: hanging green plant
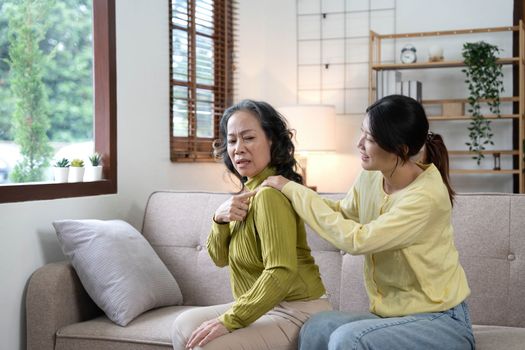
{"points": [[484, 81]]}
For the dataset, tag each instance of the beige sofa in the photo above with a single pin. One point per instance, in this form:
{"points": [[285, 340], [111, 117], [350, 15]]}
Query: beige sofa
{"points": [[490, 235]]}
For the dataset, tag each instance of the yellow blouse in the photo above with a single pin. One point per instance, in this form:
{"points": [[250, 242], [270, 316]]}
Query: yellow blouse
{"points": [[268, 256], [411, 262]]}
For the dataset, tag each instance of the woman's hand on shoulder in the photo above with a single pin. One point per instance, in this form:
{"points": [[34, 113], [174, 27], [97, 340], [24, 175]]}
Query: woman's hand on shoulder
{"points": [[234, 209], [206, 332], [276, 182]]}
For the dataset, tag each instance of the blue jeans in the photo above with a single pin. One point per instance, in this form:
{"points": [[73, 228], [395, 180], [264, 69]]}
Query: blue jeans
{"points": [[336, 330]]}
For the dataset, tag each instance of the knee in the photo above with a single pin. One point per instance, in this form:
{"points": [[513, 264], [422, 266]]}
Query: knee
{"points": [[178, 338], [356, 338], [182, 328], [348, 337], [316, 323], [317, 329]]}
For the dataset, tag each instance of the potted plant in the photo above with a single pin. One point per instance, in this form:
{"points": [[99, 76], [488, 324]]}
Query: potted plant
{"points": [[485, 81], [76, 171], [61, 170], [94, 172]]}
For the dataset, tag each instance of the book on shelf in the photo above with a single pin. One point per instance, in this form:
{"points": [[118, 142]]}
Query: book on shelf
{"points": [[415, 90], [386, 83], [379, 84], [405, 88], [412, 88]]}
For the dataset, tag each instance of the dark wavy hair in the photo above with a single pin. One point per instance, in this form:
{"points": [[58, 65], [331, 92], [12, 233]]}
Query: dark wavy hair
{"points": [[276, 130], [399, 125]]}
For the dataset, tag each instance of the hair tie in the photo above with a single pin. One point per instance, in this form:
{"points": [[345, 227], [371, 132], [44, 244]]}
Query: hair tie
{"points": [[430, 136]]}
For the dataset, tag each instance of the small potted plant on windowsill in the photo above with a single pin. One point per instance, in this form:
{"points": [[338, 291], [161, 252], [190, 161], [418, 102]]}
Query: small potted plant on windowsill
{"points": [[76, 171], [94, 172], [61, 170]]}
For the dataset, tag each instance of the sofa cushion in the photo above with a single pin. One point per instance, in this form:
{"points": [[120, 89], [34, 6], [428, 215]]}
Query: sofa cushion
{"points": [[329, 259], [488, 232], [353, 293], [118, 268], [177, 225], [151, 330], [496, 337]]}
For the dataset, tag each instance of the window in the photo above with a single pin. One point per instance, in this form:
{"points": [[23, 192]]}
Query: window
{"points": [[201, 84], [104, 117]]}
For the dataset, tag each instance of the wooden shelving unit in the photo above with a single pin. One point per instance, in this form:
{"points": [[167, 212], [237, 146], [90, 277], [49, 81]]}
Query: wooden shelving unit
{"points": [[469, 153], [466, 117], [376, 65], [485, 171], [443, 64]]}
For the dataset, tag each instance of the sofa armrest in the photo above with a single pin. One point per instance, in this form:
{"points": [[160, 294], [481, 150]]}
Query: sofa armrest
{"points": [[55, 298]]}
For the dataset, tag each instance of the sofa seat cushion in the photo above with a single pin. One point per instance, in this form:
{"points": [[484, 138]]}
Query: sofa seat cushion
{"points": [[150, 330], [496, 337]]}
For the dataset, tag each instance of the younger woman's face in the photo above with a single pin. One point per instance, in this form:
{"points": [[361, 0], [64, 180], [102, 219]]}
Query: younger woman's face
{"points": [[373, 157], [248, 147]]}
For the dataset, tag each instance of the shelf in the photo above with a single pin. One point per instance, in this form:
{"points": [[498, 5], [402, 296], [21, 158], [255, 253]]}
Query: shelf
{"points": [[468, 117], [442, 64], [464, 100], [485, 171], [470, 153], [449, 32], [379, 63]]}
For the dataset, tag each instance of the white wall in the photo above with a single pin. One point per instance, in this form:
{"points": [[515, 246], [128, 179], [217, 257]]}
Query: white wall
{"points": [[28, 242], [266, 70]]}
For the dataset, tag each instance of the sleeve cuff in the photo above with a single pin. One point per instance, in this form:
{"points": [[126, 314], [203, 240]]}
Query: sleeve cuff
{"points": [[227, 320], [221, 229]]}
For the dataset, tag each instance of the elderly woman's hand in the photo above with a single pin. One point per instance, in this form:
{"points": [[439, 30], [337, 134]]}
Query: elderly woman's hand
{"points": [[206, 332], [234, 209], [276, 182]]}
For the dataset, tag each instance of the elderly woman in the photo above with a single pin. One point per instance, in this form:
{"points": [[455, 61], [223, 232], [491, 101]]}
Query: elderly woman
{"points": [[275, 281]]}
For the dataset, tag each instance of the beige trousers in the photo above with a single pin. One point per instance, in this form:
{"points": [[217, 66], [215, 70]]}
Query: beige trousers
{"points": [[278, 329]]}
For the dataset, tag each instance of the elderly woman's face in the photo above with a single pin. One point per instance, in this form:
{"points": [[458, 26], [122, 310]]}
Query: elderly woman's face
{"points": [[248, 146]]}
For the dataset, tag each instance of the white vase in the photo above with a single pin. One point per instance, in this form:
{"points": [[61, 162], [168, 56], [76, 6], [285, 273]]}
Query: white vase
{"points": [[435, 53], [60, 174], [93, 173], [76, 174]]}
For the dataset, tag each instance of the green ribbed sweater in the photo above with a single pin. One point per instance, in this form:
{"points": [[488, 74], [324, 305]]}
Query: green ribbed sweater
{"points": [[268, 256]]}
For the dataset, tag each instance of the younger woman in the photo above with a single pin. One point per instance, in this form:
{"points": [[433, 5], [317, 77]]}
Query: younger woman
{"points": [[398, 215]]}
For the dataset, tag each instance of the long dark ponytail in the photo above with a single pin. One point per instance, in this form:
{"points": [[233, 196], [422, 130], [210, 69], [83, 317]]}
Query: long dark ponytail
{"points": [[436, 153]]}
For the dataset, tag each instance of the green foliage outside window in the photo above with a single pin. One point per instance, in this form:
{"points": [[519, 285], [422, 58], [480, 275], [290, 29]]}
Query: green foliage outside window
{"points": [[67, 73], [27, 28], [6, 101], [46, 87]]}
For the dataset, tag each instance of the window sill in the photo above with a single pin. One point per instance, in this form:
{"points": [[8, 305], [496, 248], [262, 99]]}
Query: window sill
{"points": [[50, 190]]}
